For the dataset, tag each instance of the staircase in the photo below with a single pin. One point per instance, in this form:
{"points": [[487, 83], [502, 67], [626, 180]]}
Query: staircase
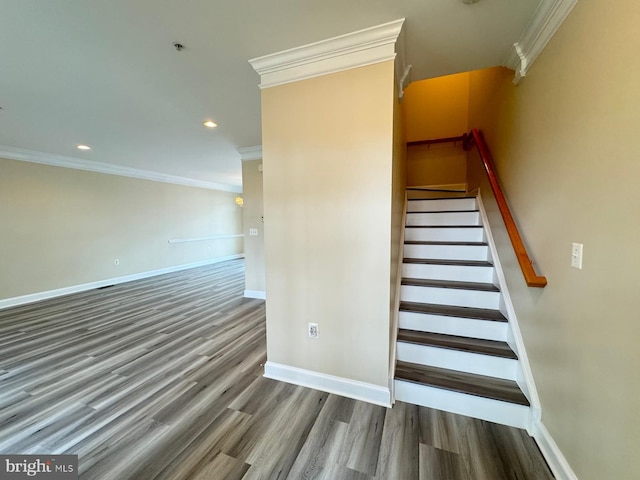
{"points": [[453, 350]]}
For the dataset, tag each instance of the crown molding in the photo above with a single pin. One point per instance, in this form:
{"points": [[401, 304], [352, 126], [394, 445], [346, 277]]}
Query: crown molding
{"points": [[250, 153], [31, 156], [358, 49], [543, 26], [402, 70]]}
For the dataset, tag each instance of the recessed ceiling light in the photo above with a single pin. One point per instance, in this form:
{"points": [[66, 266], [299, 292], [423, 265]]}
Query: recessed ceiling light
{"points": [[210, 124], [83, 147]]}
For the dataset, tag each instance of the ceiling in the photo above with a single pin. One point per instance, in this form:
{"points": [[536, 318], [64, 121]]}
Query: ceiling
{"points": [[105, 72]]}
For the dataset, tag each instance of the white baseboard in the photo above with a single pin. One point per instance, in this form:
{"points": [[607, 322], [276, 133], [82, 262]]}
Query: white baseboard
{"points": [[552, 454], [260, 294], [36, 297], [345, 387]]}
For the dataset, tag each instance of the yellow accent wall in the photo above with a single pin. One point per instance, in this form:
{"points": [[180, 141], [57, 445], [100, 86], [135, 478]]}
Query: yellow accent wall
{"points": [[566, 149], [63, 227], [436, 108], [328, 170], [436, 165]]}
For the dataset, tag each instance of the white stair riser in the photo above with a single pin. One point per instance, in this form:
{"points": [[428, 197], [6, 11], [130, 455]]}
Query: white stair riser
{"points": [[463, 404], [463, 327], [442, 205], [444, 234], [450, 296], [457, 360], [446, 218], [448, 272], [447, 252]]}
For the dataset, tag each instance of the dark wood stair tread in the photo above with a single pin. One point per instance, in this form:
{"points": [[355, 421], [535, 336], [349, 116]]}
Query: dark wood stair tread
{"points": [[457, 244], [442, 198], [454, 342], [453, 311], [438, 261], [420, 282], [463, 244], [469, 383], [443, 226]]}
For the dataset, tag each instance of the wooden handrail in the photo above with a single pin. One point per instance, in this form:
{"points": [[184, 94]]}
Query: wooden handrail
{"points": [[530, 276], [461, 138]]}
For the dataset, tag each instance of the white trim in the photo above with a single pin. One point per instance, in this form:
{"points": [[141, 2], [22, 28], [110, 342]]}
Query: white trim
{"points": [[526, 383], [403, 80], [358, 49], [250, 153], [259, 294], [552, 454], [200, 239], [402, 70], [345, 387], [543, 26], [36, 297], [32, 156]]}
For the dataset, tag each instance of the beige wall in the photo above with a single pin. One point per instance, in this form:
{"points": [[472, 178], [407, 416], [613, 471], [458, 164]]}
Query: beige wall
{"points": [[63, 227], [483, 88], [327, 148], [437, 107], [565, 144], [253, 217]]}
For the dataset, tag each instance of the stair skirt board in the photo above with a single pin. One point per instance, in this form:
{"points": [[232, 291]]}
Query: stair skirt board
{"points": [[470, 327], [445, 234], [461, 361], [483, 408], [437, 205], [448, 272], [443, 218], [450, 296], [447, 252]]}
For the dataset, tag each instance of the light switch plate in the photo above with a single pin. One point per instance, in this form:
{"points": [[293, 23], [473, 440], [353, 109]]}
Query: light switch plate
{"points": [[253, 232], [576, 255]]}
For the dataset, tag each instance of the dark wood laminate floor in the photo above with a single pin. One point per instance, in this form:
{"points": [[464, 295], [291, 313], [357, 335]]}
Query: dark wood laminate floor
{"points": [[162, 379]]}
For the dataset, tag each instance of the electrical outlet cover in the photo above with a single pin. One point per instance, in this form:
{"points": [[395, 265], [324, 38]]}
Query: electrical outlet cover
{"points": [[313, 330]]}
